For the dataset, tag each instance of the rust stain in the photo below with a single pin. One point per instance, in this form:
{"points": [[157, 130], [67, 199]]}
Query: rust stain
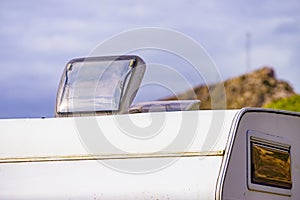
{"points": [[109, 156]]}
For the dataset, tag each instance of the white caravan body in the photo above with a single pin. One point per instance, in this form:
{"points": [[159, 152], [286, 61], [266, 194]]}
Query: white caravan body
{"points": [[231, 154], [106, 145]]}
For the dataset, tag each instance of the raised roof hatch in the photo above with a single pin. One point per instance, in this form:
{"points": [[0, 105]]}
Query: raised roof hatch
{"points": [[108, 85]]}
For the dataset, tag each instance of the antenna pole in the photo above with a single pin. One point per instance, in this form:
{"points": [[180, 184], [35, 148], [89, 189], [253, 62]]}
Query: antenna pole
{"points": [[248, 50]]}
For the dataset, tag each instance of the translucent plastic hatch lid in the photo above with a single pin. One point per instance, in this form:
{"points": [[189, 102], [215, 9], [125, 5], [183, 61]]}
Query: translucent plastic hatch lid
{"points": [[116, 85]]}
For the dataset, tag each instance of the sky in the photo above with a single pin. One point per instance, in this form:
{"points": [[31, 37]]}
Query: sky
{"points": [[38, 38]]}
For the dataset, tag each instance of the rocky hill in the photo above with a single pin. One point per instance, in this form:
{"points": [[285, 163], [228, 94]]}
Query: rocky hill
{"points": [[250, 90]]}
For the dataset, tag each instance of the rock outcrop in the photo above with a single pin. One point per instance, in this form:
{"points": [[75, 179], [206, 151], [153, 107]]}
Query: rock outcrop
{"points": [[249, 90]]}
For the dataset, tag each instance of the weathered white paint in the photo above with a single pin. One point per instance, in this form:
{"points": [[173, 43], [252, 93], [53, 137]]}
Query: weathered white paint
{"points": [[60, 137], [187, 178], [200, 171]]}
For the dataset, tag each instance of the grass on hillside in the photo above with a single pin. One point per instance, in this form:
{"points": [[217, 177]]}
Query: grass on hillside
{"points": [[291, 103]]}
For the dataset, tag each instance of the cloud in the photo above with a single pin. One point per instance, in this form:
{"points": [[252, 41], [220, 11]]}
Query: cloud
{"points": [[38, 39]]}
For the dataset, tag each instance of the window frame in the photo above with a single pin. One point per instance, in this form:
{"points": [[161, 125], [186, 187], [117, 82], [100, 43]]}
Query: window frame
{"points": [[269, 142]]}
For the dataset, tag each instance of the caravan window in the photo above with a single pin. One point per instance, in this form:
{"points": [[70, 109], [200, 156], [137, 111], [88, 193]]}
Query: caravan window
{"points": [[269, 163]]}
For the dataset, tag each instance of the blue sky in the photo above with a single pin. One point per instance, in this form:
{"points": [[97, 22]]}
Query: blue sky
{"points": [[37, 38]]}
